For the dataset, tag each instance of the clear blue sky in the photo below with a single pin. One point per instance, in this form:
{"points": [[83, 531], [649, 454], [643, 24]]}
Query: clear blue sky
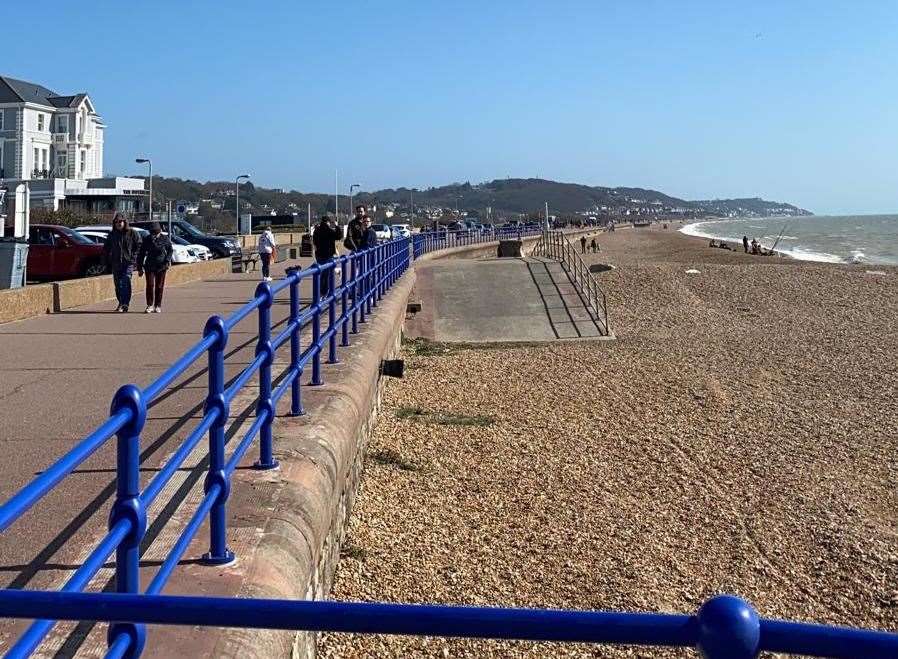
{"points": [[793, 101]]}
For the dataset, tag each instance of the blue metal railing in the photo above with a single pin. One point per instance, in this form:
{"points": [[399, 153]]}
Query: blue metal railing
{"points": [[725, 627]]}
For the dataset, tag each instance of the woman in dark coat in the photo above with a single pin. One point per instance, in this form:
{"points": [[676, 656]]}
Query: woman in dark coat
{"points": [[154, 258]]}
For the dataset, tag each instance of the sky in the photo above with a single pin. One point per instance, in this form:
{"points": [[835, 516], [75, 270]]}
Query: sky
{"points": [[791, 101]]}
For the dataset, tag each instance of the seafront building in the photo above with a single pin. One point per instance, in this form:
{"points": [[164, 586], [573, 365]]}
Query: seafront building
{"points": [[55, 143]]}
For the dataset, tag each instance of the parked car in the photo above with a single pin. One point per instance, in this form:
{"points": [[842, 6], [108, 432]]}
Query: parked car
{"points": [[383, 232], [401, 231], [200, 252], [181, 251], [220, 246], [57, 252]]}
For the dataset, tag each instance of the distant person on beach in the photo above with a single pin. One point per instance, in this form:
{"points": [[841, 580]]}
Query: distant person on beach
{"points": [[325, 240], [745, 243], [154, 258], [755, 246], [355, 230], [120, 253], [583, 244], [594, 245], [268, 250]]}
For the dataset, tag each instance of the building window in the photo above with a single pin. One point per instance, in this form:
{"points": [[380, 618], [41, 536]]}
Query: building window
{"points": [[83, 160], [37, 160], [2, 116], [61, 163], [40, 121], [62, 124]]}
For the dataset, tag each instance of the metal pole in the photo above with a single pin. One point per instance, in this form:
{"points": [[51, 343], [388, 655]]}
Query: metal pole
{"points": [[218, 554], [336, 197], [237, 207], [316, 325], [151, 188], [169, 220], [295, 353], [128, 506], [265, 404]]}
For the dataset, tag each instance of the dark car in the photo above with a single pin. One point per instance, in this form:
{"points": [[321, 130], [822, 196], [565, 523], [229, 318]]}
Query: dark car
{"points": [[220, 246], [56, 252]]}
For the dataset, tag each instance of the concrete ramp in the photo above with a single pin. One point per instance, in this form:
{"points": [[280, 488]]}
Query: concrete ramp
{"points": [[499, 300]]}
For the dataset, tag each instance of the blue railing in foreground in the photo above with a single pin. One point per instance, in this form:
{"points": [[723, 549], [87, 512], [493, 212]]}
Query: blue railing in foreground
{"points": [[719, 629], [725, 627]]}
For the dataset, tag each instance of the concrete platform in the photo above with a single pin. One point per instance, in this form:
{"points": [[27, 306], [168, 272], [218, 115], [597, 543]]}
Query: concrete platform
{"points": [[500, 301]]}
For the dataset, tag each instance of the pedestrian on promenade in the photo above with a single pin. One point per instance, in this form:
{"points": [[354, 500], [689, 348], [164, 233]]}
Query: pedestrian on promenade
{"points": [[369, 236], [325, 238], [594, 245], [745, 243], [355, 230], [120, 252], [268, 250], [154, 258], [583, 244]]}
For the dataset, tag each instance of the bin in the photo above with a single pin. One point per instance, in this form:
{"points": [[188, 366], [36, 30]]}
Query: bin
{"points": [[13, 258]]}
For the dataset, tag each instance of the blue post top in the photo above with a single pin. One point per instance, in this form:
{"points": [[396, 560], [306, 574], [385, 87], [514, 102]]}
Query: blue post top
{"points": [[728, 628], [130, 397], [216, 327]]}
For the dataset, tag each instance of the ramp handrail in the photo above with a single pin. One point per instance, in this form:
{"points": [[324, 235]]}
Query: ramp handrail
{"points": [[556, 245]]}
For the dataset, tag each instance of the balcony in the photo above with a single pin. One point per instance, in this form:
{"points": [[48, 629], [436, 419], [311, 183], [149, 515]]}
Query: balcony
{"points": [[60, 138], [41, 174]]}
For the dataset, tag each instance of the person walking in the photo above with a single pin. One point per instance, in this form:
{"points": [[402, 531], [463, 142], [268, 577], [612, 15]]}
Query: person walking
{"points": [[268, 250], [583, 244], [355, 230], [120, 252], [154, 258], [745, 243], [325, 239], [594, 245], [369, 236]]}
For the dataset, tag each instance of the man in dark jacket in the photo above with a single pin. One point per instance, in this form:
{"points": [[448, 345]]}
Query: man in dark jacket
{"points": [[120, 253], [154, 258], [325, 240], [355, 230]]}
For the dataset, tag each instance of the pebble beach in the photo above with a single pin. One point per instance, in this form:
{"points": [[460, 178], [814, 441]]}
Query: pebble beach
{"points": [[738, 436]]}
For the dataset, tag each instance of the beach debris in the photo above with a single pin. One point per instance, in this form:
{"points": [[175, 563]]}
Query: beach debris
{"points": [[693, 271], [876, 272]]}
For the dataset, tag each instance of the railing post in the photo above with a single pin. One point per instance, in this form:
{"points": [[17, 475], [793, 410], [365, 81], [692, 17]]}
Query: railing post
{"points": [[369, 278], [316, 325], [344, 301], [354, 259], [219, 553], [361, 285], [728, 628], [332, 313], [128, 506], [295, 352], [265, 405]]}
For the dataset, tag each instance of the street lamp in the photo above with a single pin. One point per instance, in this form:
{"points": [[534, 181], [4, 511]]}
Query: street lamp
{"points": [[246, 176], [351, 188], [147, 161]]}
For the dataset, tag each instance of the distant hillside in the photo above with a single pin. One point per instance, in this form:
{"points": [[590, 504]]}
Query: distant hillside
{"points": [[504, 196]]}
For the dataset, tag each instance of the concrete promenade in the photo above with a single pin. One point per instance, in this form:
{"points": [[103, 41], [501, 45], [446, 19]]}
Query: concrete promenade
{"points": [[58, 374]]}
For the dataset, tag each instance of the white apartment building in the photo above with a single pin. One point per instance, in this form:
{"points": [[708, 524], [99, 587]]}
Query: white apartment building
{"points": [[55, 143], [46, 135]]}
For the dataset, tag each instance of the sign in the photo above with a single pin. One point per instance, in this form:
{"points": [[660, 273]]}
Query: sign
{"points": [[246, 223]]}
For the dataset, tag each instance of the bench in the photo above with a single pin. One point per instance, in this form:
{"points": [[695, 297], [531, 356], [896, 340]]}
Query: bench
{"points": [[241, 263]]}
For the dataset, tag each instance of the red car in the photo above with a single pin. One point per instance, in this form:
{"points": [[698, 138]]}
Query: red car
{"points": [[56, 252]]}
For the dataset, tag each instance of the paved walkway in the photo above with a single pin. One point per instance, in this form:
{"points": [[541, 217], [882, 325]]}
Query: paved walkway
{"points": [[500, 300], [58, 374]]}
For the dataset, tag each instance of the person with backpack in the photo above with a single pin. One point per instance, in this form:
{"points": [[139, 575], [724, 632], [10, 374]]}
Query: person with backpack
{"points": [[268, 250], [154, 258], [325, 239], [120, 252]]}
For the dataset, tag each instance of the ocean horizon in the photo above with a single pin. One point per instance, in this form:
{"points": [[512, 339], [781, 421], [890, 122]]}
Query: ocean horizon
{"points": [[869, 239]]}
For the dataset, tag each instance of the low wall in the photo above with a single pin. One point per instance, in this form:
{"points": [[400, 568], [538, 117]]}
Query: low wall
{"points": [[20, 303], [282, 238]]}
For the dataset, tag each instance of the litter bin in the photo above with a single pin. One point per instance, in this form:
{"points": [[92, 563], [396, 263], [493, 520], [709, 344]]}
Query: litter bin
{"points": [[13, 257]]}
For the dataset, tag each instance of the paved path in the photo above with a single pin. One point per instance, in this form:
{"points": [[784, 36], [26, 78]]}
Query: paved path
{"points": [[500, 300], [57, 377]]}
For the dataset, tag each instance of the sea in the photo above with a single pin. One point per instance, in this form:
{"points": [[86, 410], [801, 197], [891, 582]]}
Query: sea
{"points": [[830, 239]]}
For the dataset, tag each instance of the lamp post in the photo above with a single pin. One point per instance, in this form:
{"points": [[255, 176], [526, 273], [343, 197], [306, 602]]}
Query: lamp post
{"points": [[351, 188], [147, 161], [237, 181]]}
